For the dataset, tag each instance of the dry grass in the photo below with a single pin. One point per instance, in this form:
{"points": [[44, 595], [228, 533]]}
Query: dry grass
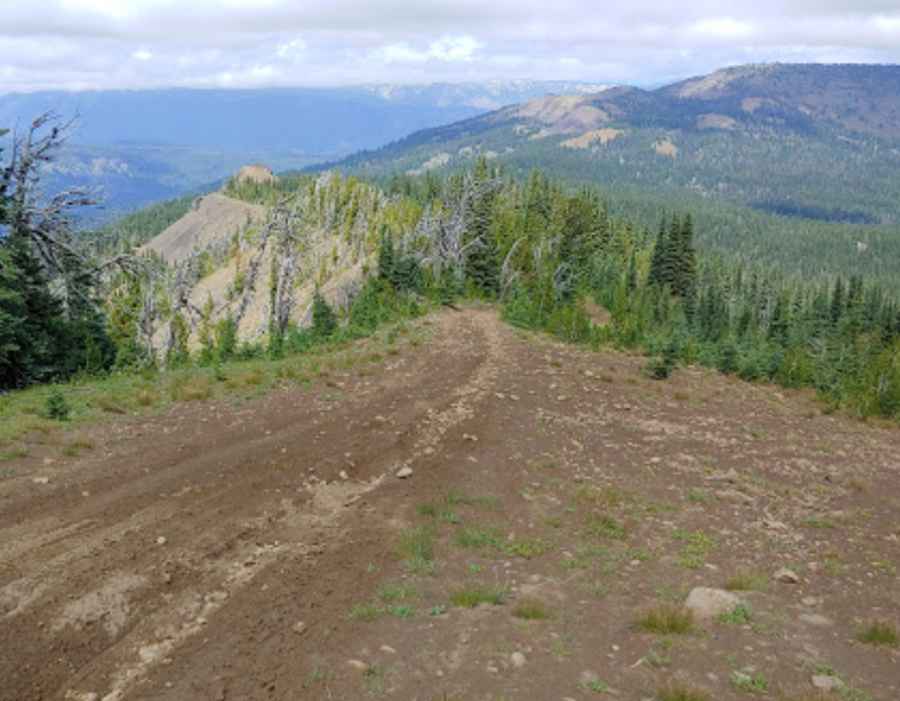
{"points": [[191, 388], [667, 619], [146, 397], [678, 691], [531, 610], [110, 404], [470, 597], [747, 581]]}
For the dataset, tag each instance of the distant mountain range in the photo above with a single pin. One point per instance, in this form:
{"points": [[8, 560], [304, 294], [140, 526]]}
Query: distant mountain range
{"points": [[815, 141], [143, 146]]}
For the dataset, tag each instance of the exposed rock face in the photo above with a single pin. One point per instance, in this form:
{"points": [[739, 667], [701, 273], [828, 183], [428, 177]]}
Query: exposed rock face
{"points": [[213, 219], [256, 174], [226, 258]]}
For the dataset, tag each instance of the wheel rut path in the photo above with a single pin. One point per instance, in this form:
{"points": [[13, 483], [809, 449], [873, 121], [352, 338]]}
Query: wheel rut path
{"points": [[215, 551]]}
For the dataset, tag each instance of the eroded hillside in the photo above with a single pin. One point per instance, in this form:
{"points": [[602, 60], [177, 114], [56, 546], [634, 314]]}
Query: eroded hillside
{"points": [[256, 264]]}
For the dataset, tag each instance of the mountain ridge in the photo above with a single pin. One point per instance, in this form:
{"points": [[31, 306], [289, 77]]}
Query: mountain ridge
{"points": [[141, 146], [777, 137]]}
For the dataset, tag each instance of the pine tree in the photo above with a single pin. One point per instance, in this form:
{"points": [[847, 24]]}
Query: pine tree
{"points": [[226, 339], [407, 274], [386, 256], [206, 337], [684, 258], [179, 354], [631, 275], [42, 318], [324, 321], [13, 341], [778, 324], [728, 358], [837, 301], [482, 266], [660, 251]]}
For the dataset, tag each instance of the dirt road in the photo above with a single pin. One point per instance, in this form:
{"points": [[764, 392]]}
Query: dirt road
{"points": [[266, 549]]}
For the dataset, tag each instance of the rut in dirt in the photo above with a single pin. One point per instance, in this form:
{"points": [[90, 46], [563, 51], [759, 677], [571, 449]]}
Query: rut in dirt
{"points": [[130, 556], [226, 550]]}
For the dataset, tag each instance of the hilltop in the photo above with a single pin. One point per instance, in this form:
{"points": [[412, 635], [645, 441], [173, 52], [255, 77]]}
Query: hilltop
{"points": [[814, 141]]}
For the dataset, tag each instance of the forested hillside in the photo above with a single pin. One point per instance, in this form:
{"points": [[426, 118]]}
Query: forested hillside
{"points": [[789, 165], [334, 257]]}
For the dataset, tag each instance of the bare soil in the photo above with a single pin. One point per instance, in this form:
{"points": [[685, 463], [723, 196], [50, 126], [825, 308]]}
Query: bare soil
{"points": [[253, 549]]}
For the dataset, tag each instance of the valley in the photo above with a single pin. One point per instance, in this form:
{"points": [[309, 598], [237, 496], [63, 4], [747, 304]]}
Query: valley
{"points": [[135, 148]]}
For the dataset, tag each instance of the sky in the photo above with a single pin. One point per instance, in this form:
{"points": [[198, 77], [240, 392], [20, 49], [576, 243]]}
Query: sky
{"points": [[102, 44]]}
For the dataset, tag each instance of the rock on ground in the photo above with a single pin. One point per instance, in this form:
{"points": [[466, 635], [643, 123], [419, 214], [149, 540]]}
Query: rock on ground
{"points": [[707, 603]]}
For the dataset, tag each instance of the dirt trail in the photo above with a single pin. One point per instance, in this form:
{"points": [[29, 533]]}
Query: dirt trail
{"points": [[229, 550]]}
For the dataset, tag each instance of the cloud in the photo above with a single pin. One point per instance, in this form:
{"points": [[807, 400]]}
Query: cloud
{"points": [[726, 28], [152, 43], [447, 49]]}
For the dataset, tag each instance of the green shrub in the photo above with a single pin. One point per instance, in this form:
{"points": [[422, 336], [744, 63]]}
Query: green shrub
{"points": [[324, 321], [56, 407]]}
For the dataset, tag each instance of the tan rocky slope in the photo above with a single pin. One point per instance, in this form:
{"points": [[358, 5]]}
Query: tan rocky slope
{"points": [[227, 258], [212, 219]]}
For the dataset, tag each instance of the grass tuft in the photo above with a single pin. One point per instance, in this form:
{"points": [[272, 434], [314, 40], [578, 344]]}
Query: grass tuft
{"points": [[747, 581], [604, 527], [366, 612], [667, 619], [470, 597], [677, 691], [417, 549], [740, 615], [527, 548], [879, 633], [477, 538], [190, 388], [531, 610]]}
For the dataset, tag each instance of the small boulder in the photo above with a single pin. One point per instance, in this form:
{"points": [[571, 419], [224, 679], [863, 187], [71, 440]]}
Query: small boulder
{"points": [[706, 603], [517, 659], [826, 682], [816, 619], [786, 576], [404, 472]]}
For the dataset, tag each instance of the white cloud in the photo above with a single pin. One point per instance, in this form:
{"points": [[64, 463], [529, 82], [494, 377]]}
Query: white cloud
{"points": [[152, 43], [461, 48], [448, 49], [293, 49], [722, 28]]}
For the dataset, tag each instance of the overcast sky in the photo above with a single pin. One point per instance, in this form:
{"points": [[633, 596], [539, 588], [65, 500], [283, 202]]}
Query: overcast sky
{"points": [[79, 44]]}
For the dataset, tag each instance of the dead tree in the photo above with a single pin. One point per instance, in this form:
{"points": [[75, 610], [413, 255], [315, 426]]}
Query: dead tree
{"points": [[448, 229], [46, 222]]}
